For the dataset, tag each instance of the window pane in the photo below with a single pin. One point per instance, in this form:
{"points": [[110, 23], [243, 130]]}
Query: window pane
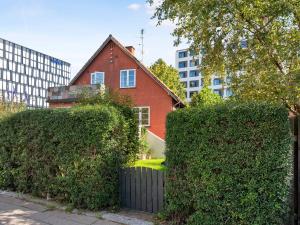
{"points": [[124, 79], [194, 73], [183, 74], [182, 64], [98, 78], [131, 78], [194, 83], [145, 110]]}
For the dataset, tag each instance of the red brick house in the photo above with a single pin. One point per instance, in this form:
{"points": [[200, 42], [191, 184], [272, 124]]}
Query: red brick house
{"points": [[116, 67]]}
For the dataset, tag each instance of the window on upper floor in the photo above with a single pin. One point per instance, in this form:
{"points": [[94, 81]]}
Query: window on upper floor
{"points": [[202, 82], [228, 92], [193, 93], [194, 73], [183, 74], [143, 115], [192, 53], [182, 64], [217, 81], [97, 78], [194, 83], [218, 91], [194, 62], [127, 78], [184, 84], [182, 54]]}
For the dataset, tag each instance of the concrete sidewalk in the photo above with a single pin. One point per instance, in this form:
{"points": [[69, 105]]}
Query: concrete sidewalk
{"points": [[15, 211]]}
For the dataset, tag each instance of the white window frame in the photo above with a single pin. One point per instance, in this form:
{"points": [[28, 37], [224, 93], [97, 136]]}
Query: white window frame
{"points": [[92, 74], [140, 115], [127, 78]]}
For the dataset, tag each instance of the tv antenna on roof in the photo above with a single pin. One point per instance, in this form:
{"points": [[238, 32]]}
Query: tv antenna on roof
{"points": [[142, 43]]}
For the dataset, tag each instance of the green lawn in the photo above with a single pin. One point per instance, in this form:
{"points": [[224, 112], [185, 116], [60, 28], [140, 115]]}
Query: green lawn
{"points": [[151, 163]]}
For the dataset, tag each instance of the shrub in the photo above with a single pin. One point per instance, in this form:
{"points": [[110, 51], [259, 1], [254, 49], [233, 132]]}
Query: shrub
{"points": [[228, 164], [206, 97], [73, 155]]}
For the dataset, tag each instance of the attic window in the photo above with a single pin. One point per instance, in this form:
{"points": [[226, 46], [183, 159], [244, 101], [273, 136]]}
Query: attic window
{"points": [[127, 78]]}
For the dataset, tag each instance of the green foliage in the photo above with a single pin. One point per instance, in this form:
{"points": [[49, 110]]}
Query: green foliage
{"points": [[228, 164], [105, 96], [8, 108], [269, 61], [205, 98], [144, 145], [169, 76], [73, 155]]}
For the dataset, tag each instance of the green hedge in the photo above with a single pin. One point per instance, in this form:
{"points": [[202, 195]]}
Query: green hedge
{"points": [[228, 164], [73, 155]]}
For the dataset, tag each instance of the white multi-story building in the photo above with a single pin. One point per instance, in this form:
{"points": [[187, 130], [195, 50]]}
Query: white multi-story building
{"points": [[26, 74], [187, 64]]}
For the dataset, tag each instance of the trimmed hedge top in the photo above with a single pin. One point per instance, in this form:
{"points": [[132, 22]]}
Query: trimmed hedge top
{"points": [[228, 164], [70, 154]]}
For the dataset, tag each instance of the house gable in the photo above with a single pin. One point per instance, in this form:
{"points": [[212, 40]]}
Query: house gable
{"points": [[107, 49]]}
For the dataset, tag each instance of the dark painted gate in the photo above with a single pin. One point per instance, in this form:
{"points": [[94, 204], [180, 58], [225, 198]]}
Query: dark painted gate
{"points": [[142, 189]]}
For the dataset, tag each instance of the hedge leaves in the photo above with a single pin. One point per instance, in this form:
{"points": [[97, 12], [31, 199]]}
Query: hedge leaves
{"points": [[73, 155], [228, 164]]}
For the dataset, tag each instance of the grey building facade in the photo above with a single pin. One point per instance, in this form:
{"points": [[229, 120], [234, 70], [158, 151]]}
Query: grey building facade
{"points": [[187, 63], [26, 74]]}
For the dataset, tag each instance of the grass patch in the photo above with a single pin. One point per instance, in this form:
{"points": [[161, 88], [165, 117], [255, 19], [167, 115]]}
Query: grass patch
{"points": [[150, 163]]}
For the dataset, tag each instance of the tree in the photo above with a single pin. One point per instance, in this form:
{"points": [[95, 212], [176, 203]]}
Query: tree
{"points": [[255, 42], [205, 98], [169, 76]]}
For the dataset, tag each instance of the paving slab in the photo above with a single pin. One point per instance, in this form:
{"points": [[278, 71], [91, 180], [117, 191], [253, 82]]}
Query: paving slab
{"points": [[18, 209]]}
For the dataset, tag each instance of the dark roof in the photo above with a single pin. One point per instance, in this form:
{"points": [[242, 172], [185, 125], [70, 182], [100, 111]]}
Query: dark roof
{"points": [[128, 53]]}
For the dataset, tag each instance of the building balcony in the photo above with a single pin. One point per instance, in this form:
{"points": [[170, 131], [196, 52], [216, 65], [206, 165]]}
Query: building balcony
{"points": [[71, 93]]}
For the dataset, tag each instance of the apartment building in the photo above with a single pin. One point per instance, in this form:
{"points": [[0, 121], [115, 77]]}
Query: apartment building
{"points": [[187, 64], [26, 74]]}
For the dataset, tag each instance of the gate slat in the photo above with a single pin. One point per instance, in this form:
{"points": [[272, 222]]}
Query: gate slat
{"points": [[127, 198], [123, 187], [154, 192], [132, 188], [149, 190], [144, 189], [160, 190], [138, 188]]}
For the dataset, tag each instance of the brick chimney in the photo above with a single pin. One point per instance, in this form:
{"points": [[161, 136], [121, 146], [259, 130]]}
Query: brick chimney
{"points": [[131, 49]]}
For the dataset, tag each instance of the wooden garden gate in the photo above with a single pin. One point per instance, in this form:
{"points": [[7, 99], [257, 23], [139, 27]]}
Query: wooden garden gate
{"points": [[142, 189]]}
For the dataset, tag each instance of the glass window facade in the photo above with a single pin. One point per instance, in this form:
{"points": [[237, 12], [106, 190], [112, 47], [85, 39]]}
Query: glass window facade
{"points": [[217, 81], [194, 73], [184, 84], [183, 74], [193, 93], [194, 83], [219, 92], [182, 54], [194, 62], [182, 64], [25, 74]]}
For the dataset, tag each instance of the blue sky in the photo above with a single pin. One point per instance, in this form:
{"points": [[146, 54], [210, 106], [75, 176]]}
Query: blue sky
{"points": [[72, 30]]}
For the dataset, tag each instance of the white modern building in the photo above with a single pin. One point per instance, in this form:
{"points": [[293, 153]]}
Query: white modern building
{"points": [[187, 64], [25, 74]]}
